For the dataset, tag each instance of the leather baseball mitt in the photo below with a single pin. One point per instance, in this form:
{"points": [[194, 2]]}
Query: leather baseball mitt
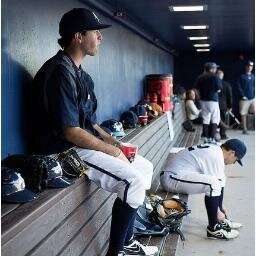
{"points": [[72, 165]]}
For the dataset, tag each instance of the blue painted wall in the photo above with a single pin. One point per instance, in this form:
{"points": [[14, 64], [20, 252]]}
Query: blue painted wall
{"points": [[29, 38]]}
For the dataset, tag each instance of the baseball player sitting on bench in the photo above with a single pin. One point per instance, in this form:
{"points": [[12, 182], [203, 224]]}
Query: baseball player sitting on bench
{"points": [[200, 169], [66, 105]]}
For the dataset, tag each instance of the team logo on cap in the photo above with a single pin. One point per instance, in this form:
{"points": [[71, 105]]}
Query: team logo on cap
{"points": [[96, 17]]}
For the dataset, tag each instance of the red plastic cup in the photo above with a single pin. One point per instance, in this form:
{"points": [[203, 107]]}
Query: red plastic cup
{"points": [[129, 150], [143, 120]]}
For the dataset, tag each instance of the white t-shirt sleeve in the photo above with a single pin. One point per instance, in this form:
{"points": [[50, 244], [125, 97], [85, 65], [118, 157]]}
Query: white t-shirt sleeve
{"points": [[192, 110]]}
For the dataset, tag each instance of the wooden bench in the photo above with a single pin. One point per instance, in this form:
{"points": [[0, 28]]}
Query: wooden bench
{"points": [[76, 220]]}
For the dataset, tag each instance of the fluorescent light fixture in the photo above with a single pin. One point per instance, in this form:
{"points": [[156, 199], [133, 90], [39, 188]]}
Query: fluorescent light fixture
{"points": [[202, 50], [201, 45], [195, 27], [188, 8], [198, 37]]}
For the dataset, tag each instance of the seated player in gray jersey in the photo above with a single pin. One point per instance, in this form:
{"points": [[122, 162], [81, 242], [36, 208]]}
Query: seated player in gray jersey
{"points": [[200, 169]]}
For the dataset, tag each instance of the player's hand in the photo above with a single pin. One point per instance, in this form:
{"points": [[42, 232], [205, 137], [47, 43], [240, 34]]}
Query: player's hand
{"points": [[110, 140], [123, 157], [244, 98]]}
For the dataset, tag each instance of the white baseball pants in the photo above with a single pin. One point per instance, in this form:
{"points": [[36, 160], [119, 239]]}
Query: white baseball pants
{"points": [[210, 112], [129, 181], [191, 183]]}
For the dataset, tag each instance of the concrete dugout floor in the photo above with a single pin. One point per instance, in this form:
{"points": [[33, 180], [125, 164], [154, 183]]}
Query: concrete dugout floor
{"points": [[239, 199]]}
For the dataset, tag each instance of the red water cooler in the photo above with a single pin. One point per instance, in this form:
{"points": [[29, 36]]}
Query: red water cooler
{"points": [[159, 88]]}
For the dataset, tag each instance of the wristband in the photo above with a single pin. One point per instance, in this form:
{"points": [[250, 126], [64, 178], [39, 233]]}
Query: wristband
{"points": [[117, 144]]}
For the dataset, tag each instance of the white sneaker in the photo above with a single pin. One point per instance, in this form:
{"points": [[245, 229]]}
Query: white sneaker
{"points": [[221, 232], [231, 224], [136, 248]]}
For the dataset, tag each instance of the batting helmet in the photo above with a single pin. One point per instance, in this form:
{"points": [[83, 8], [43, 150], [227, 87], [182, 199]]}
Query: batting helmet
{"points": [[13, 187], [55, 175]]}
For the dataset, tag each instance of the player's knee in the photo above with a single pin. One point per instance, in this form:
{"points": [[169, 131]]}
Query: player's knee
{"points": [[136, 193]]}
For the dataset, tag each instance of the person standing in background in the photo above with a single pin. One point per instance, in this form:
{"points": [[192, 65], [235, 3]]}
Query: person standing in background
{"points": [[209, 85], [246, 91], [225, 103]]}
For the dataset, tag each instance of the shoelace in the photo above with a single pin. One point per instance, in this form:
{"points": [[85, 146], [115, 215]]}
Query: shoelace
{"points": [[225, 226]]}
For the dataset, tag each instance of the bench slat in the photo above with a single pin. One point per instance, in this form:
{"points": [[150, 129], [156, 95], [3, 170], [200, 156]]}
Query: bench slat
{"points": [[100, 241], [70, 226], [87, 233], [26, 213], [150, 144], [43, 218], [7, 208], [145, 131]]}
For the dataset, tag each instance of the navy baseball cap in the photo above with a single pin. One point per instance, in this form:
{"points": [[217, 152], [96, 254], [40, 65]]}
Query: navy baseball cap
{"points": [[211, 65], [13, 188], [249, 63], [238, 146], [114, 126], [78, 20], [129, 119], [139, 110]]}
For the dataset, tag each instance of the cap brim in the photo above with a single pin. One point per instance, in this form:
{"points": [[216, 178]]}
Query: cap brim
{"points": [[118, 134], [240, 162], [19, 197], [60, 182]]}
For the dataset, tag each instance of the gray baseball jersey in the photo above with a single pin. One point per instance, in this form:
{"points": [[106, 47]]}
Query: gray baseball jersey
{"points": [[197, 169]]}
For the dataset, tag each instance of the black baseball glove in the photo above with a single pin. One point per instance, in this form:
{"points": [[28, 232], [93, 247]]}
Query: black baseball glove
{"points": [[72, 165]]}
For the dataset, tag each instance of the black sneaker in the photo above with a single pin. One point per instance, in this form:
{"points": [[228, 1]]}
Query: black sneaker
{"points": [[221, 232], [136, 248]]}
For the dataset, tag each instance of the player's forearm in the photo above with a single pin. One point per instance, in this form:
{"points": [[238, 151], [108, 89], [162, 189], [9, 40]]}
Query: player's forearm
{"points": [[105, 136], [102, 133], [84, 139]]}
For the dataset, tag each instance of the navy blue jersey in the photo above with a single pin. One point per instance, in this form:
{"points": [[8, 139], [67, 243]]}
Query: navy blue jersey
{"points": [[225, 96], [208, 84], [246, 86], [64, 96]]}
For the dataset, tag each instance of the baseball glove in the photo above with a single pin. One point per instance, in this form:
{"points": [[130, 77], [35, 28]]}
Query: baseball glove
{"points": [[72, 165], [172, 208], [167, 213]]}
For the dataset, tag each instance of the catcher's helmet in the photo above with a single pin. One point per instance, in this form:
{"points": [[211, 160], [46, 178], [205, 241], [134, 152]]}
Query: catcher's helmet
{"points": [[13, 187], [115, 127], [55, 177]]}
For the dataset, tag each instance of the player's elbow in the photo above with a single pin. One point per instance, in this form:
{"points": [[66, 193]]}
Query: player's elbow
{"points": [[70, 132]]}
